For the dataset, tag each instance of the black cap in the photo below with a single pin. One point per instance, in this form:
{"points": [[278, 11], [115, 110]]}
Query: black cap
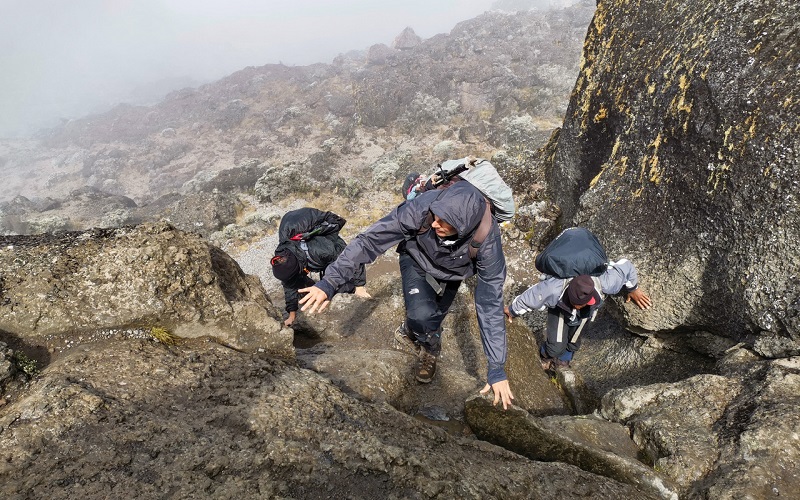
{"points": [[580, 290], [285, 266]]}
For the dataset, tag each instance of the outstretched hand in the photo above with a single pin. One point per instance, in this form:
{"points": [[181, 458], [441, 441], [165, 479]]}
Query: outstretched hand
{"points": [[315, 299], [640, 298], [508, 314], [502, 391]]}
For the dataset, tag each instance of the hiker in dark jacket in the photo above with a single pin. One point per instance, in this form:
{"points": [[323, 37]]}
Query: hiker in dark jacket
{"points": [[433, 263], [309, 242], [571, 303]]}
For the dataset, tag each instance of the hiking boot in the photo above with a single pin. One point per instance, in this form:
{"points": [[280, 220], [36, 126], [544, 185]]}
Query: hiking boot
{"points": [[553, 364], [560, 364], [403, 342], [426, 367]]}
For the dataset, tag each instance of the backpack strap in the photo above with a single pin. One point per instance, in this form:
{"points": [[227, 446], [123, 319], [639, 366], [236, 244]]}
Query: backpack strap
{"points": [[482, 232], [426, 224], [598, 286]]}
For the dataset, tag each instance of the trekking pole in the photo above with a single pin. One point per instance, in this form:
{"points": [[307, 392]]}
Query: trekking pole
{"points": [[305, 236], [443, 176]]}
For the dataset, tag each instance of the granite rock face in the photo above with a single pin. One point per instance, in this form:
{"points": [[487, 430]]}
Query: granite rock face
{"points": [[680, 150], [136, 419], [732, 435], [54, 289]]}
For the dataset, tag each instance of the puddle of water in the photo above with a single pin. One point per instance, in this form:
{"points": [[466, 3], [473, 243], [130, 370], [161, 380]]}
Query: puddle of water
{"points": [[385, 264], [452, 426]]}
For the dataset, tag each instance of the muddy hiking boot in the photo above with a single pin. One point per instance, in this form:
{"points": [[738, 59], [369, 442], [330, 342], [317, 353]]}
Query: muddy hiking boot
{"points": [[426, 368], [403, 342], [553, 364]]}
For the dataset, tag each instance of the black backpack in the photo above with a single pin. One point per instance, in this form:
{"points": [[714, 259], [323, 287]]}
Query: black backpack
{"points": [[574, 252]]}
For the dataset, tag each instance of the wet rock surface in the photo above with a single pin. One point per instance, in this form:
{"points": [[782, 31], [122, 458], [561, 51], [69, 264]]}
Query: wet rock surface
{"points": [[587, 443], [138, 419]]}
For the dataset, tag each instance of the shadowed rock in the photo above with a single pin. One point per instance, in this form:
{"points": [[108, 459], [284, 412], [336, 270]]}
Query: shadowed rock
{"points": [[720, 436]]}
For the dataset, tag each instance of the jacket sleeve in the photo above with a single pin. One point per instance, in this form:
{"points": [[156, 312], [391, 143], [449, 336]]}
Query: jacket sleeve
{"points": [[290, 290], [491, 267], [369, 245], [541, 296], [619, 276], [291, 297]]}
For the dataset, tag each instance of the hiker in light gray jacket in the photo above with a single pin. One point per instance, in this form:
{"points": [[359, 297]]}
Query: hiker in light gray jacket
{"points": [[571, 303], [435, 231]]}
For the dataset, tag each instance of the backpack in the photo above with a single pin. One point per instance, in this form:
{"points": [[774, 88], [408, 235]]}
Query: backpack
{"points": [[485, 177], [478, 172], [481, 174], [574, 252], [312, 236]]}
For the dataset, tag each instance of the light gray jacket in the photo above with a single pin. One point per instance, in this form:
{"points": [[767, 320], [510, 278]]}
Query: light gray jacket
{"points": [[546, 294]]}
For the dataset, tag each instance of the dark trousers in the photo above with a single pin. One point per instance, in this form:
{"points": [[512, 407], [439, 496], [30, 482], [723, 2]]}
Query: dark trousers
{"points": [[425, 310], [563, 335]]}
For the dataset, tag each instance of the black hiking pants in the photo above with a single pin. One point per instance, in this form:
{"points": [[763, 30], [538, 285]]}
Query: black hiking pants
{"points": [[563, 333], [425, 309]]}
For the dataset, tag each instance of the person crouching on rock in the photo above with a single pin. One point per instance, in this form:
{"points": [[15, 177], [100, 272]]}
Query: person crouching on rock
{"points": [[309, 242], [435, 232], [571, 303]]}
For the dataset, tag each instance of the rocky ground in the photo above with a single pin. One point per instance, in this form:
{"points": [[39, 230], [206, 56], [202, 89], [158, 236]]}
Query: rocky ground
{"points": [[664, 403], [202, 420]]}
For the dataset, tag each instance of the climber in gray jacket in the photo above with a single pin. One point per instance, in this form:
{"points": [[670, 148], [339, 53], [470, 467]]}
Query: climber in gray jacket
{"points": [[571, 303], [435, 231]]}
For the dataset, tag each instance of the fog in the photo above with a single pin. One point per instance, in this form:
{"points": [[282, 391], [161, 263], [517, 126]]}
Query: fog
{"points": [[62, 59]]}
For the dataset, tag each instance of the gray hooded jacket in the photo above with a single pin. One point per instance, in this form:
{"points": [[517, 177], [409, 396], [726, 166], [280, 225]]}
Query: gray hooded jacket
{"points": [[546, 294], [462, 206]]}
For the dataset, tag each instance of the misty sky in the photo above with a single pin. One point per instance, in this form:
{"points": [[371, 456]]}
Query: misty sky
{"points": [[68, 58]]}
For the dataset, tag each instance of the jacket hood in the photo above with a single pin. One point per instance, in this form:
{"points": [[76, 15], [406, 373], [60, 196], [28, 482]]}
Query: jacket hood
{"points": [[462, 206]]}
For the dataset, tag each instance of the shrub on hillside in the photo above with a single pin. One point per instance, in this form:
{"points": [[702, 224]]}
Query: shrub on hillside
{"points": [[279, 181]]}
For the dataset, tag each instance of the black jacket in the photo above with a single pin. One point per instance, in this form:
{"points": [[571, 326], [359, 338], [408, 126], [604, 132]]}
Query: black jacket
{"points": [[462, 206], [320, 249]]}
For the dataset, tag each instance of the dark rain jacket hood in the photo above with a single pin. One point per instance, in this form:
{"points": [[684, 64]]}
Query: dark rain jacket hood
{"points": [[461, 207]]}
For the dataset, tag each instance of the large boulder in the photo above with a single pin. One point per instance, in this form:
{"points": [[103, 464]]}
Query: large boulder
{"points": [[56, 290], [732, 435], [136, 419], [680, 151], [591, 443]]}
